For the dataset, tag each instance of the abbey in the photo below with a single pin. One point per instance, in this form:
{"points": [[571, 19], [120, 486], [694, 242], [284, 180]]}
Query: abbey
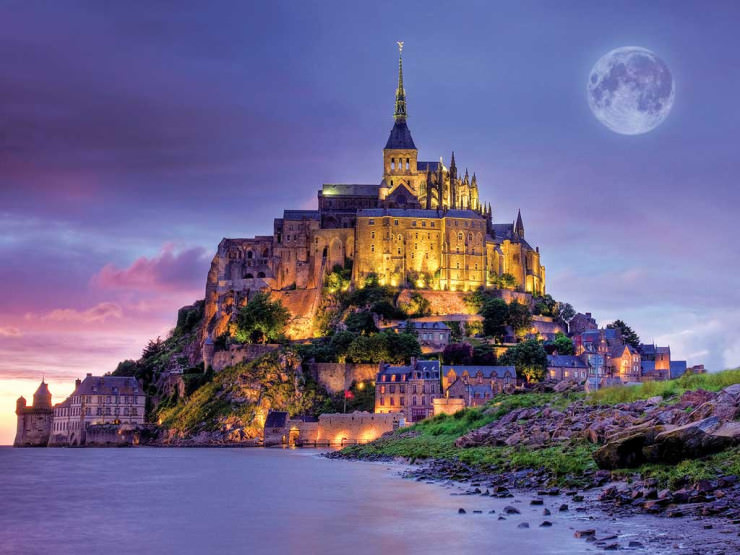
{"points": [[422, 226]]}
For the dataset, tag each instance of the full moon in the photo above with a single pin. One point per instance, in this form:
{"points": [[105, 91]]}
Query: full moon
{"points": [[630, 90]]}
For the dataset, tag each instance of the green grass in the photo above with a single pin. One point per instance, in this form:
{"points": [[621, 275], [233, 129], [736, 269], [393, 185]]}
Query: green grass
{"points": [[691, 470], [435, 439], [667, 389]]}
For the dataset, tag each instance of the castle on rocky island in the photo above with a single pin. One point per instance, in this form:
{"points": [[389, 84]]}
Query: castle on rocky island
{"points": [[422, 226]]}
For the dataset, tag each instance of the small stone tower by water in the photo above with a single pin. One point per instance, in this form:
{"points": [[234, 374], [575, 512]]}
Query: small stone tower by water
{"points": [[34, 422]]}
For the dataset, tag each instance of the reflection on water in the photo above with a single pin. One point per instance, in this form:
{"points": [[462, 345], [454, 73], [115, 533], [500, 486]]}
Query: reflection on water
{"points": [[243, 501]]}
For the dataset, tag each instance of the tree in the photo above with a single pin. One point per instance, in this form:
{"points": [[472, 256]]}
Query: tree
{"points": [[519, 318], [361, 322], [567, 312], [261, 320], [484, 354], [507, 281], [458, 353], [563, 344], [529, 358], [546, 306], [495, 313], [628, 334]]}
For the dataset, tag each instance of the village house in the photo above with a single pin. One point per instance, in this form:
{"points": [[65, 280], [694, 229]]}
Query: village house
{"points": [[567, 367], [408, 389], [433, 337]]}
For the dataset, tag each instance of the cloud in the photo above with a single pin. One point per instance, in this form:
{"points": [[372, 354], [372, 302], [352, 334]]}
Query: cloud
{"points": [[98, 313], [168, 271], [10, 331]]}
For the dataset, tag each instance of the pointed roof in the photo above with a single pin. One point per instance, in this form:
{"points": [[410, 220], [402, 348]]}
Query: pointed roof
{"points": [[519, 225], [400, 137]]}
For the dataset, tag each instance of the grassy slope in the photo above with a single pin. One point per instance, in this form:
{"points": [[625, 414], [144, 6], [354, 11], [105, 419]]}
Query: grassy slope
{"points": [[435, 438]]}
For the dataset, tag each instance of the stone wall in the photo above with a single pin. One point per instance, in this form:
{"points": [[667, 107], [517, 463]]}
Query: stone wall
{"points": [[240, 353], [337, 377], [447, 405]]}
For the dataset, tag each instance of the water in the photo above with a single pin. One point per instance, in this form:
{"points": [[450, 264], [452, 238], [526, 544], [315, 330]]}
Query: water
{"points": [[247, 501]]}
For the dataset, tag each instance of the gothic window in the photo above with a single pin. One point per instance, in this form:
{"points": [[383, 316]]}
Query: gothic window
{"points": [[400, 238], [407, 163], [423, 224], [395, 222], [249, 254], [261, 274], [399, 250], [431, 224]]}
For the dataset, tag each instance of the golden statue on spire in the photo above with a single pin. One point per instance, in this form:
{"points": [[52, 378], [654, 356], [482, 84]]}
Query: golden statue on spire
{"points": [[400, 46]]}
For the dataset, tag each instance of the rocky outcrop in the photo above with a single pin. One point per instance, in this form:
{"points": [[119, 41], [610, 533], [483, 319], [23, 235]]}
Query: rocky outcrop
{"points": [[671, 435], [631, 434]]}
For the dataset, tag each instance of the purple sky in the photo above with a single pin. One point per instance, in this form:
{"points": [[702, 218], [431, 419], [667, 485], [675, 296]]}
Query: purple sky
{"points": [[133, 139]]}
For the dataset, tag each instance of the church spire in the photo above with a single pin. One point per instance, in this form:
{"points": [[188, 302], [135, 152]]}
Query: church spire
{"points": [[400, 114], [519, 225]]}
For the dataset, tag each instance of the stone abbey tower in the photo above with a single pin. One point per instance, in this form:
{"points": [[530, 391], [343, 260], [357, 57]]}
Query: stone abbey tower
{"points": [[422, 226]]}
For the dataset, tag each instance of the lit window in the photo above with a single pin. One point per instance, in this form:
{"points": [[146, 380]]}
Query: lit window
{"points": [[371, 222], [395, 222]]}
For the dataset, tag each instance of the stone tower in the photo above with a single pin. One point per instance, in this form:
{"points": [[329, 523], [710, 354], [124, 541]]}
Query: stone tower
{"points": [[34, 422]]}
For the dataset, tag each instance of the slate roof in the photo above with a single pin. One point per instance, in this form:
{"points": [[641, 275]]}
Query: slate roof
{"points": [[646, 349], [425, 325], [400, 137], [569, 361], [421, 366], [486, 371], [417, 213], [349, 190], [301, 215], [480, 389], [276, 419], [108, 385], [422, 166]]}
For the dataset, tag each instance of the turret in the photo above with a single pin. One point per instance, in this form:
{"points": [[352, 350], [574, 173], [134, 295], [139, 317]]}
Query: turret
{"points": [[42, 397], [20, 405]]}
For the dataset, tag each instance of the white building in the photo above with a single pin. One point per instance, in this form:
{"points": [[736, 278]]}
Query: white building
{"points": [[97, 400]]}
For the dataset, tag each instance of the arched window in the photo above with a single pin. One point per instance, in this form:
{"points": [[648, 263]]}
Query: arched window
{"points": [[249, 254], [413, 401], [249, 276], [261, 274]]}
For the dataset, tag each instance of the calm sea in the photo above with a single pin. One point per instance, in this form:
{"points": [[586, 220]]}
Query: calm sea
{"points": [[115, 501]]}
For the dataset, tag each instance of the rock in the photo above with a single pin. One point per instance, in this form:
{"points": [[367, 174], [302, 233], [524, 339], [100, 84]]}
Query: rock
{"points": [[546, 512], [624, 452], [545, 524], [563, 508], [461, 511], [636, 544], [585, 533], [523, 525], [509, 510], [611, 547], [536, 502], [477, 512], [690, 441]]}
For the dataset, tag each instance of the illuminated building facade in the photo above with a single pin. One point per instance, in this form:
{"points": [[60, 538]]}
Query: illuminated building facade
{"points": [[423, 225]]}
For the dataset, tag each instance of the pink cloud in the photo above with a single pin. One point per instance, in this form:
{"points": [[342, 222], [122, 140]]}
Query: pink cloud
{"points": [[98, 313], [168, 271], [10, 331]]}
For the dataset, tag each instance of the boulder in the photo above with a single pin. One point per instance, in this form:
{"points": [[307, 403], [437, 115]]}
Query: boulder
{"points": [[690, 441], [623, 452]]}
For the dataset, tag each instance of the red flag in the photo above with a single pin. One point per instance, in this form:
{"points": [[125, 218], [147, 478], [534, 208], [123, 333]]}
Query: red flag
{"points": [[348, 394]]}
